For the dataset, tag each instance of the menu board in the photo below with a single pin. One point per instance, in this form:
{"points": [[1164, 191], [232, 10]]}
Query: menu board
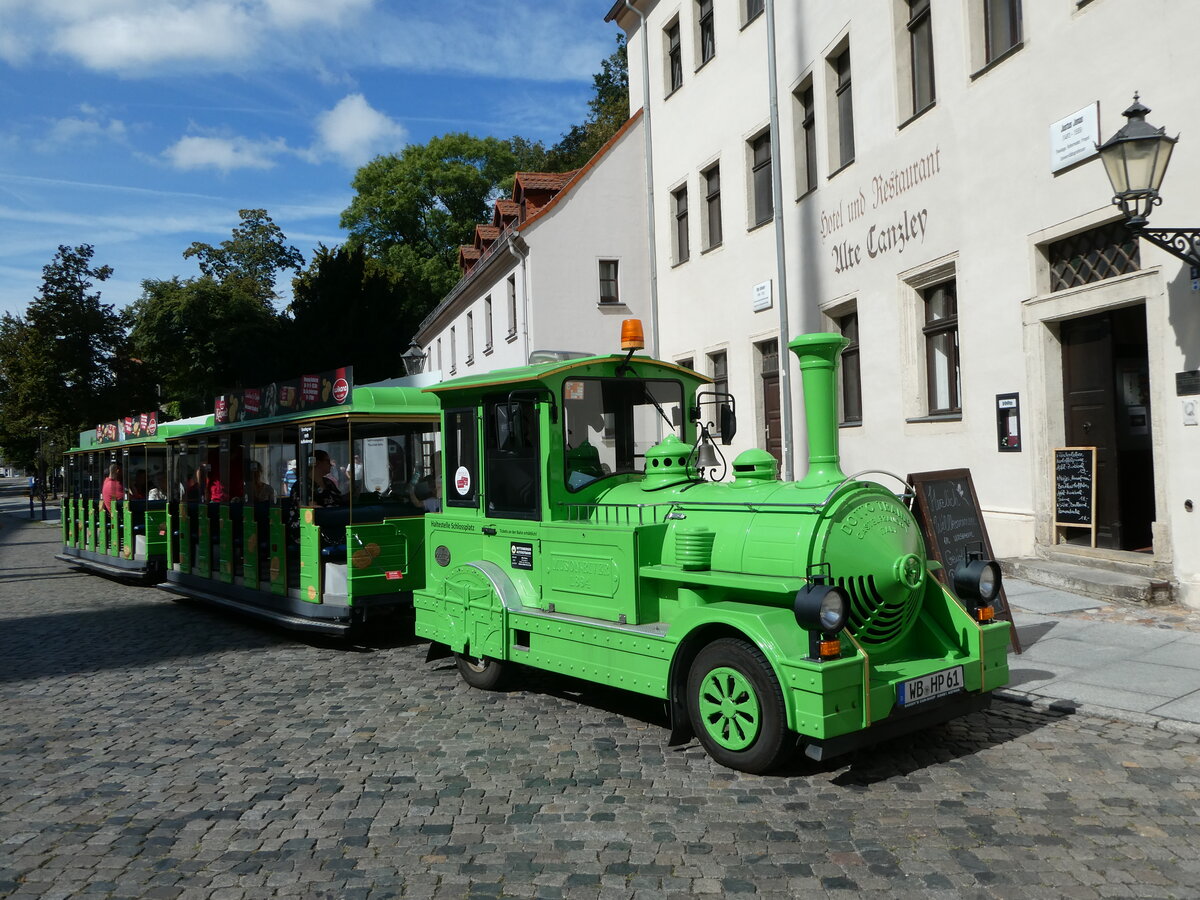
{"points": [[947, 512], [1074, 485]]}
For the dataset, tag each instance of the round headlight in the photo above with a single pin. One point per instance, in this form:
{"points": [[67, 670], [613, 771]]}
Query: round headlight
{"points": [[821, 607], [833, 611], [978, 580]]}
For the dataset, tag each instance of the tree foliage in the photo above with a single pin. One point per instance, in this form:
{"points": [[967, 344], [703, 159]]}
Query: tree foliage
{"points": [[413, 210], [201, 336], [349, 308], [251, 257], [59, 362]]}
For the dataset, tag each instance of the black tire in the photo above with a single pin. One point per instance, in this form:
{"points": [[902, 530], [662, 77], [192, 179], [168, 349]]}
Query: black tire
{"points": [[481, 672], [736, 707]]}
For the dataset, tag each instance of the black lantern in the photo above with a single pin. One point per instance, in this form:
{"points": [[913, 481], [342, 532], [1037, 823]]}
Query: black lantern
{"points": [[414, 359], [1135, 159]]}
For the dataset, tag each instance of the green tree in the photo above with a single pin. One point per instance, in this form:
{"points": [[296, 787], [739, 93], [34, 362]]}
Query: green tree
{"points": [[608, 111], [59, 362], [252, 256], [414, 209], [348, 308], [200, 337]]}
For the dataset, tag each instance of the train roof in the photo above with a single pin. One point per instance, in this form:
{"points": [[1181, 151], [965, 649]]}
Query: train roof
{"points": [[541, 373], [380, 399], [163, 431]]}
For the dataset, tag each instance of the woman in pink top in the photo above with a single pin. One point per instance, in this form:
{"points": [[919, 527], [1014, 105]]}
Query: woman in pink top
{"points": [[112, 488]]}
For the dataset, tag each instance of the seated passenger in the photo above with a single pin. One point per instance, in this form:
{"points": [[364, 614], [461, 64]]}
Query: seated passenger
{"points": [[112, 488], [260, 491]]}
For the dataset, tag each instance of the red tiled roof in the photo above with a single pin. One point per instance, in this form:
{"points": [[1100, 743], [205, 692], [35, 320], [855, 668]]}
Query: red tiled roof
{"points": [[542, 181], [486, 232]]}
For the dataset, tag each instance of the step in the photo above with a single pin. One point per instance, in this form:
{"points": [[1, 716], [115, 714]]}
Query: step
{"points": [[1093, 579]]}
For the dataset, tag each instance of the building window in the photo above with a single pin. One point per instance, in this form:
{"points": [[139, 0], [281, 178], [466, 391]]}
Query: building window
{"points": [[512, 305], [842, 128], [686, 363], [608, 281], [674, 58], [760, 179], [708, 36], [712, 207], [1001, 27], [941, 348], [679, 205], [453, 352], [1093, 256], [754, 9], [718, 367], [487, 324], [439, 354], [920, 43], [806, 139], [851, 392], [470, 338]]}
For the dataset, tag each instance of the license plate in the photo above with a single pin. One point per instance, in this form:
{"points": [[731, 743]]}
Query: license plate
{"points": [[930, 687]]}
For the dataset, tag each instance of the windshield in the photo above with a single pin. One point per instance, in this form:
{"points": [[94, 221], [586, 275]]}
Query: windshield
{"points": [[610, 423]]}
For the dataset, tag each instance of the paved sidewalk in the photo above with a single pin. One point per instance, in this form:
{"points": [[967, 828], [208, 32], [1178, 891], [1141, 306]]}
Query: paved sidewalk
{"points": [[1133, 664]]}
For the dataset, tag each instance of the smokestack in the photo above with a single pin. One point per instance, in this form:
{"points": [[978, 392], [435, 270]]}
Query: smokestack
{"points": [[818, 355]]}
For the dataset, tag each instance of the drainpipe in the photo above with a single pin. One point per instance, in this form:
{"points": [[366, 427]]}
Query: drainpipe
{"points": [[654, 342], [512, 248], [785, 387]]}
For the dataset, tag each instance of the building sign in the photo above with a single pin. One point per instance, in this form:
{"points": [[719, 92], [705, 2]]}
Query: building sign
{"points": [[760, 296], [879, 232], [1075, 137]]}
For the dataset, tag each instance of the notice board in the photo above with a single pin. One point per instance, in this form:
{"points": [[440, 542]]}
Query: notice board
{"points": [[1075, 488], [947, 512]]}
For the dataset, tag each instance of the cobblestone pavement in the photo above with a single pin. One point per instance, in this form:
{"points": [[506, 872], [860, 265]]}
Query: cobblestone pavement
{"points": [[151, 749]]}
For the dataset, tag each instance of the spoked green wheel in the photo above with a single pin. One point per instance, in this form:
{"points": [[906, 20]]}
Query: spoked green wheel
{"points": [[736, 706]]}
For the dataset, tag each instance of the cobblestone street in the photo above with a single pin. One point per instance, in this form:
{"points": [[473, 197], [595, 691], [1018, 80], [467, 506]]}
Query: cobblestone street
{"points": [[150, 748]]}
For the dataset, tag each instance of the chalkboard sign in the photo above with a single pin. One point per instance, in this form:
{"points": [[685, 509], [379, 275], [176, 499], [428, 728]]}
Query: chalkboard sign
{"points": [[1075, 488], [947, 511]]}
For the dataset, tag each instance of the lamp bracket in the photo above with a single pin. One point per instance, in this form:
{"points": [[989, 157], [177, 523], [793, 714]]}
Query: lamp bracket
{"points": [[1183, 243]]}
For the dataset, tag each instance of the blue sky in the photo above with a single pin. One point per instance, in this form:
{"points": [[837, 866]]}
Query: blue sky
{"points": [[139, 126]]}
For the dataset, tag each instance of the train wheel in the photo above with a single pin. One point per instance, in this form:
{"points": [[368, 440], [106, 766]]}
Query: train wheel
{"points": [[481, 672], [736, 706]]}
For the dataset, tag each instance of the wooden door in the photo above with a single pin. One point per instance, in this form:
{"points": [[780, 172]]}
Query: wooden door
{"points": [[1090, 408], [772, 436]]}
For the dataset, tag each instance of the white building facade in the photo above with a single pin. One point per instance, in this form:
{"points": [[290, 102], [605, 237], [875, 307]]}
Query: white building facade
{"points": [[933, 193], [561, 265]]}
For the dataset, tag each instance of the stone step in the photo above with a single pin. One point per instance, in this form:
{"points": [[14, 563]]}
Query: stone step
{"points": [[1091, 579]]}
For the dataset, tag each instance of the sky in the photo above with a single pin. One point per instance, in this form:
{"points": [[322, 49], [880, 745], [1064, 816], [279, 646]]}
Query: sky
{"points": [[140, 126]]}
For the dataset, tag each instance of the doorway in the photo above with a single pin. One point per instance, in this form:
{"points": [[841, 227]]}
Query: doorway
{"points": [[768, 367], [1106, 398]]}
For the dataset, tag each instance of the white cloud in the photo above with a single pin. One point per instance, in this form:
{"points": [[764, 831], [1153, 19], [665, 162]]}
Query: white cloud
{"points": [[224, 154], [137, 36], [354, 132], [89, 128], [539, 41]]}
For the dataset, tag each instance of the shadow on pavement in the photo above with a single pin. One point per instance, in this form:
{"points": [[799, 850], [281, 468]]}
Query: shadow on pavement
{"points": [[139, 634]]}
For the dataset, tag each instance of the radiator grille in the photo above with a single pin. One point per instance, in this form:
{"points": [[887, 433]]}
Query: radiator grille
{"points": [[875, 619]]}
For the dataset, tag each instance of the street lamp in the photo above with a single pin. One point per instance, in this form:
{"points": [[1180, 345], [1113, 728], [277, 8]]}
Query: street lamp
{"points": [[1135, 159], [414, 359]]}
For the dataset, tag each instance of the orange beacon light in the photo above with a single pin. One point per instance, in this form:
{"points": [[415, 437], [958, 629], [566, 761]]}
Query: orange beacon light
{"points": [[632, 336]]}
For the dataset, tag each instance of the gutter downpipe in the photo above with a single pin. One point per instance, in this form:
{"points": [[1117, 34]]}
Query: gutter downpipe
{"points": [[512, 248], [785, 387], [649, 181]]}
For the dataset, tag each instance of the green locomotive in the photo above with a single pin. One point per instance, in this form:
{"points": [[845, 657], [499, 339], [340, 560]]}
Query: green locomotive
{"points": [[579, 535]]}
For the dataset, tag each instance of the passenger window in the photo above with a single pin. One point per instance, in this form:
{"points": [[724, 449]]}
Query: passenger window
{"points": [[513, 488]]}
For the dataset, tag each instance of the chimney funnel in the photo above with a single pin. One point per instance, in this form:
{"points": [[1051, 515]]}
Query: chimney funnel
{"points": [[818, 355]]}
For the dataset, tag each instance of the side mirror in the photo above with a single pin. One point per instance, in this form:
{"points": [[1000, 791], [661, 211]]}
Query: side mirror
{"points": [[676, 416], [728, 423]]}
